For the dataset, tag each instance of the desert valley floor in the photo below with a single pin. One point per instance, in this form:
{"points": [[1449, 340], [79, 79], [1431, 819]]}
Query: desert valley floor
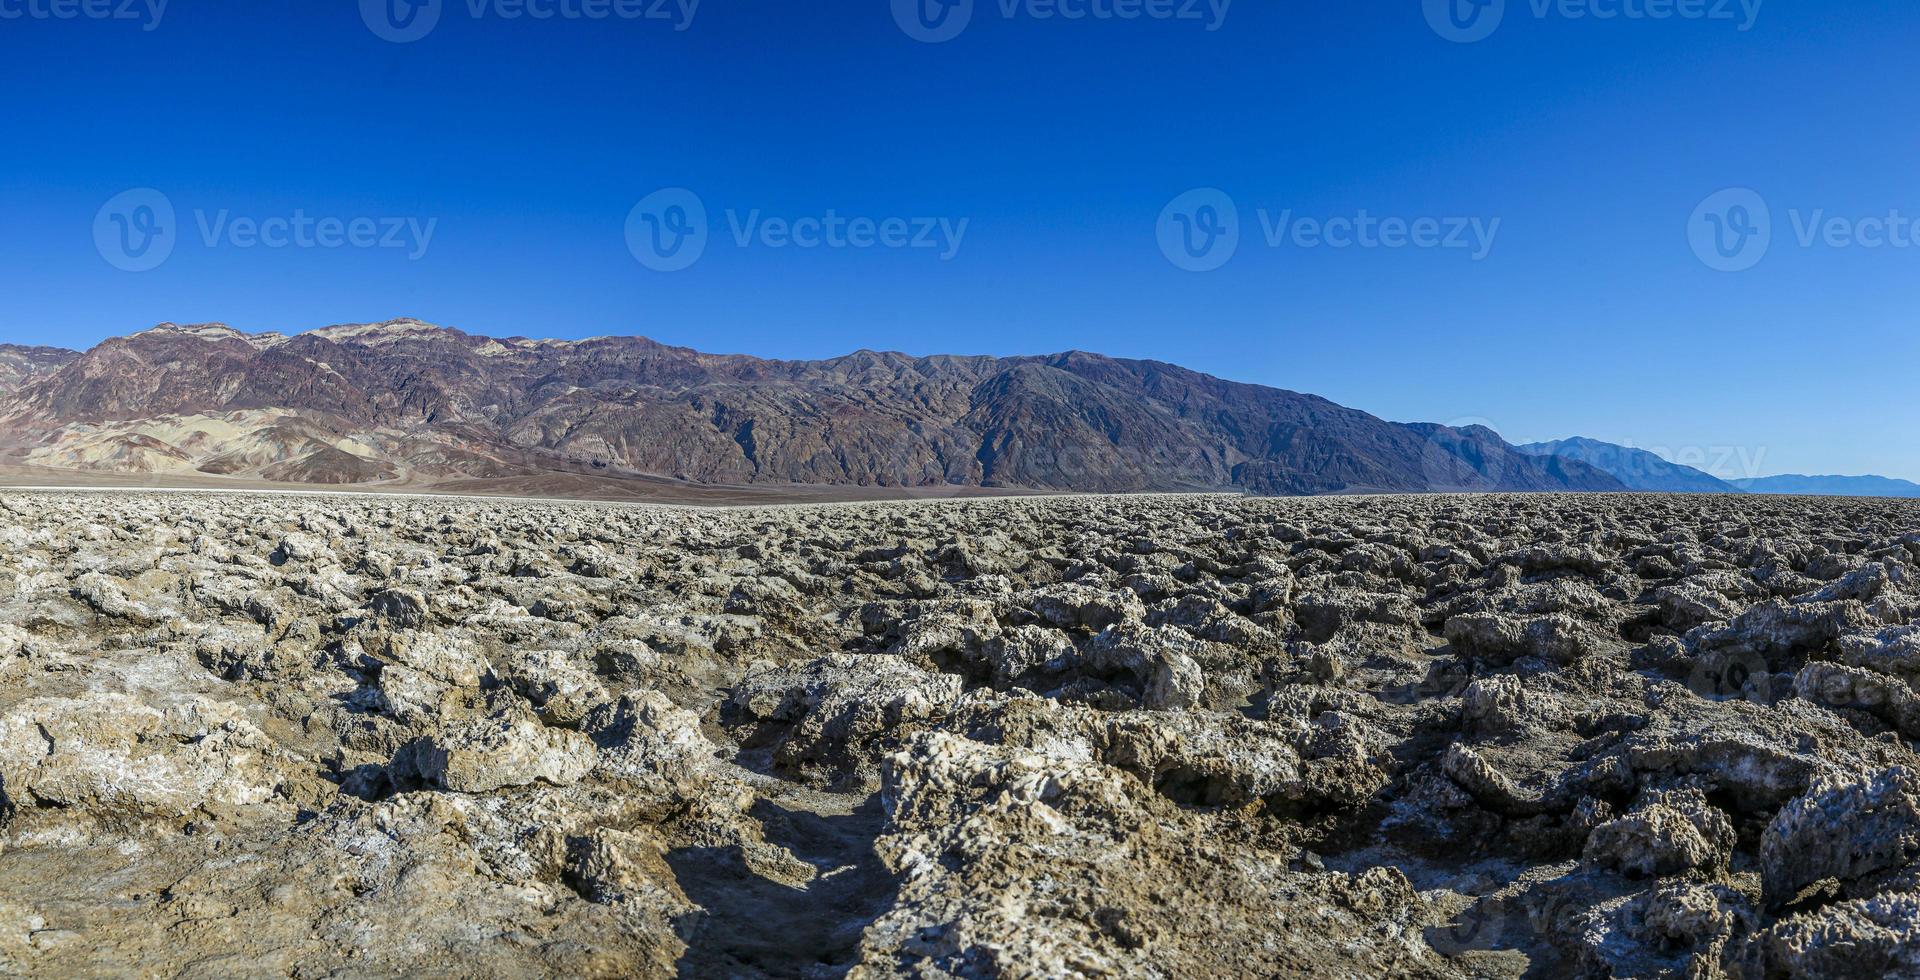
{"points": [[1441, 736]]}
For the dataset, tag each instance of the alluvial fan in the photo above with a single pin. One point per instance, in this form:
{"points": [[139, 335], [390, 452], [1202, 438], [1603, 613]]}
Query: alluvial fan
{"points": [[1146, 736]]}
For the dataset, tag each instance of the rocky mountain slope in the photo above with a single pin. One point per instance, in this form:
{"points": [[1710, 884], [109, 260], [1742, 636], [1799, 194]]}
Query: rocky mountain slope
{"points": [[410, 402], [1637, 468], [19, 365], [1420, 736]]}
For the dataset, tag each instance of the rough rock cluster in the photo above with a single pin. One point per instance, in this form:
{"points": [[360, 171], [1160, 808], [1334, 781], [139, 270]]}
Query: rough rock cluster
{"points": [[1438, 736]]}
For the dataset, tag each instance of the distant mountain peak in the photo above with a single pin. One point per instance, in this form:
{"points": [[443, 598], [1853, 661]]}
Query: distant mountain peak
{"points": [[210, 331], [386, 332], [1637, 468]]}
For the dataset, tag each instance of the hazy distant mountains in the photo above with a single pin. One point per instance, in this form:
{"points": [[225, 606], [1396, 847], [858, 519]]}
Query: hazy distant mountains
{"points": [[405, 402], [1637, 468], [1645, 471], [1835, 486]]}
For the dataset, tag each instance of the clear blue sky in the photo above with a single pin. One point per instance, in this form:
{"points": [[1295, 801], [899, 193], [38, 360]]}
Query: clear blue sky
{"points": [[527, 143]]}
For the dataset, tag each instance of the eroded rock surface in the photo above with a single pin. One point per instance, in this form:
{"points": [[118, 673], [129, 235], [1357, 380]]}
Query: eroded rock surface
{"points": [[1633, 736]]}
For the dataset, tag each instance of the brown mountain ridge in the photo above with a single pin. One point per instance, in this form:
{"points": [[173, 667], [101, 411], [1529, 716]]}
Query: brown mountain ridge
{"points": [[406, 403]]}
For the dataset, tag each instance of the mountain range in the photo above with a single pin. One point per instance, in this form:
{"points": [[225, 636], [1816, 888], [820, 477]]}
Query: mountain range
{"points": [[406, 403]]}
